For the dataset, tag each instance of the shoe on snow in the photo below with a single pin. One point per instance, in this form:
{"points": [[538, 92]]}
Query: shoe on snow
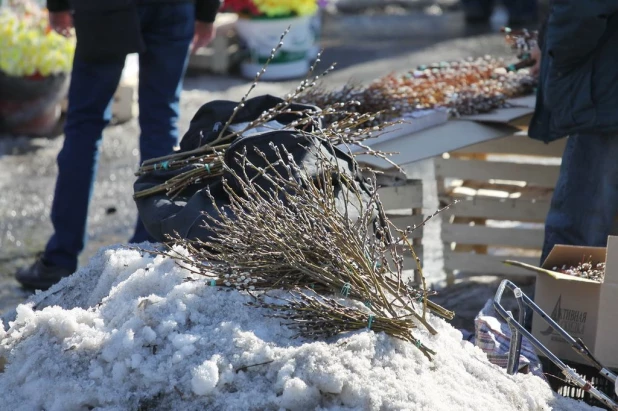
{"points": [[41, 276]]}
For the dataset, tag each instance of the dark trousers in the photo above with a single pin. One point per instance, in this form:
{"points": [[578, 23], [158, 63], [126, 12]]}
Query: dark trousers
{"points": [[585, 201], [167, 30], [517, 9]]}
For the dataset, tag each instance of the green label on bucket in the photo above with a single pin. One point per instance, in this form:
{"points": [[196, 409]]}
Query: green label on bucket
{"points": [[282, 56]]}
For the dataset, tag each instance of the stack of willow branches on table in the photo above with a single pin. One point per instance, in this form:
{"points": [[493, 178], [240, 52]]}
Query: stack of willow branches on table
{"points": [[318, 239], [462, 87], [367, 101]]}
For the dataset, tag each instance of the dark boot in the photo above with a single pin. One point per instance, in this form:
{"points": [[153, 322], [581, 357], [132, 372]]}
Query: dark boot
{"points": [[41, 276]]}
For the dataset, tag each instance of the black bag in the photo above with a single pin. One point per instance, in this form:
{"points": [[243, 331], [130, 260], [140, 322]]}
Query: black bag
{"points": [[184, 215], [106, 31]]}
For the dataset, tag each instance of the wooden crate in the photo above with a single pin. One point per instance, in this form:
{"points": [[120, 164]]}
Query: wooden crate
{"points": [[504, 187], [403, 205], [223, 52]]}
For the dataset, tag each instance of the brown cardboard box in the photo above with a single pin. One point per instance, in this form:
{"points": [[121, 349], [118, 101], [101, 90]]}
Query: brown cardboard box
{"points": [[586, 309]]}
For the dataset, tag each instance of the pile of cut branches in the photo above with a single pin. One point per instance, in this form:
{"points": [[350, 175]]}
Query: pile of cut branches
{"points": [[312, 247], [343, 273]]}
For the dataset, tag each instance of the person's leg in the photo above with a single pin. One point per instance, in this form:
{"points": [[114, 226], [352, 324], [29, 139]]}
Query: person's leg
{"points": [[89, 111], [585, 200], [522, 13], [168, 32], [477, 11]]}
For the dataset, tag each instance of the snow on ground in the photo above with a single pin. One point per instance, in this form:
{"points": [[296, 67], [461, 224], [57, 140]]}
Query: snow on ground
{"points": [[128, 332]]}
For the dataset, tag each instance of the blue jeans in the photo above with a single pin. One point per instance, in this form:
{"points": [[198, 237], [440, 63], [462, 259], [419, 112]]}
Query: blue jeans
{"points": [[585, 201], [167, 30]]}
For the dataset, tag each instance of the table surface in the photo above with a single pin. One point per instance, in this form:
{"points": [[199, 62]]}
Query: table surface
{"points": [[411, 142]]}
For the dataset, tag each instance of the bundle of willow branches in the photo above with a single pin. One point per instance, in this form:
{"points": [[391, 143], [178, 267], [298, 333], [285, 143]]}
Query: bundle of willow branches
{"points": [[319, 236], [351, 128], [314, 237]]}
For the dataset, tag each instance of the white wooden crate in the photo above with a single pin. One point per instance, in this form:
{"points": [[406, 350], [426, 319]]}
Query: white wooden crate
{"points": [[504, 187], [403, 205]]}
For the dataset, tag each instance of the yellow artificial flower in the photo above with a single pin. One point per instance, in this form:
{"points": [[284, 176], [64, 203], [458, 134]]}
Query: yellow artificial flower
{"points": [[28, 47], [305, 7], [283, 8]]}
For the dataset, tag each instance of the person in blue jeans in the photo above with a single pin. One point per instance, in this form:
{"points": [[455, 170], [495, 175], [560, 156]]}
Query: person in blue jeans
{"points": [[162, 32], [577, 97], [521, 12]]}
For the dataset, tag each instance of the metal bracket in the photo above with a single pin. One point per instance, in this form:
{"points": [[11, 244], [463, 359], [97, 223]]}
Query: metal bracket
{"points": [[519, 331]]}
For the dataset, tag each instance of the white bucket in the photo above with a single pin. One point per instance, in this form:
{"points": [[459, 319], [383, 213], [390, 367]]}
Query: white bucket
{"points": [[262, 35], [316, 31]]}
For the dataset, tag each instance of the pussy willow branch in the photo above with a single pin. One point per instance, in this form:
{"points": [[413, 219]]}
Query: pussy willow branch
{"points": [[220, 138], [264, 117], [322, 317], [324, 212]]}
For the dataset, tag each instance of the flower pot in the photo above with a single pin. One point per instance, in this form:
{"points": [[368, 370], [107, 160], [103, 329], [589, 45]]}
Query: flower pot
{"points": [[262, 35], [31, 105]]}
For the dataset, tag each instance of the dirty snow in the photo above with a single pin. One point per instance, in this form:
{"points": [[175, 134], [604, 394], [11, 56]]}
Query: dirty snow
{"points": [[128, 332]]}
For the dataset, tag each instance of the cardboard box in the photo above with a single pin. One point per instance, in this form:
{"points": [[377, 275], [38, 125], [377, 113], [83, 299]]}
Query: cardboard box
{"points": [[585, 308]]}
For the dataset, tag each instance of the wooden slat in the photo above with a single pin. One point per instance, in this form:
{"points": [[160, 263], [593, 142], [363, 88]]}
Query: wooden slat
{"points": [[408, 261], [408, 196], [508, 190], [485, 264], [533, 174], [517, 144], [513, 209], [418, 249], [508, 237], [417, 234], [403, 221]]}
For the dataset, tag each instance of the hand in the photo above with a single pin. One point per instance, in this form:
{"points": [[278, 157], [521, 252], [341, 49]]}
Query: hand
{"points": [[61, 22], [204, 33], [535, 54]]}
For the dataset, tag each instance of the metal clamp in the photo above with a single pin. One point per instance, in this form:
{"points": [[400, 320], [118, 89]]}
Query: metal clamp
{"points": [[518, 331]]}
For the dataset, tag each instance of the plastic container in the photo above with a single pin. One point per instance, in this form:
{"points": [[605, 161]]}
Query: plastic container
{"points": [[31, 105], [260, 36], [558, 384]]}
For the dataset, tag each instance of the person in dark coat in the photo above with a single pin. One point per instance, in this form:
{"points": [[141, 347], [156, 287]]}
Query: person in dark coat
{"points": [[162, 32], [577, 98]]}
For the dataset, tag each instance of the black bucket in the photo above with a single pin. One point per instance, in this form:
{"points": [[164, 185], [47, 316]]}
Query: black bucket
{"points": [[31, 105]]}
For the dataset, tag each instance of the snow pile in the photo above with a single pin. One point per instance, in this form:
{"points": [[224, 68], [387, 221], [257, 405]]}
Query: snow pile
{"points": [[128, 332]]}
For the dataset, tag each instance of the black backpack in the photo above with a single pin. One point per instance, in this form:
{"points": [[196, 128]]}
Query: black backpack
{"points": [[184, 214]]}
